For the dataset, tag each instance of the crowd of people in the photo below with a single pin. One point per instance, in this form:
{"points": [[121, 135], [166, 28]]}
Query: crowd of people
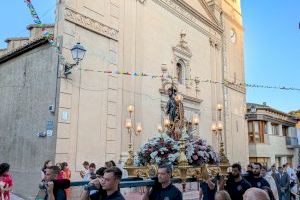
{"points": [[102, 184], [257, 183]]}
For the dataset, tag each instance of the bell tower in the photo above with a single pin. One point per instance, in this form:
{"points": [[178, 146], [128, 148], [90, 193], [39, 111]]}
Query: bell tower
{"points": [[229, 15]]}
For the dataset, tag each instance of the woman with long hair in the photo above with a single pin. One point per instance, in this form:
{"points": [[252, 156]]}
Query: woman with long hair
{"points": [[6, 182]]}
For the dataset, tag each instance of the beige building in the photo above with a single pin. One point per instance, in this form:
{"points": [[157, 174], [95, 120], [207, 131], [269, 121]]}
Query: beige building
{"points": [[192, 40], [272, 136]]}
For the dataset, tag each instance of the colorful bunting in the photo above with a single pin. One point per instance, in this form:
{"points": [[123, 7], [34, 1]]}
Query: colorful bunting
{"points": [[53, 42]]}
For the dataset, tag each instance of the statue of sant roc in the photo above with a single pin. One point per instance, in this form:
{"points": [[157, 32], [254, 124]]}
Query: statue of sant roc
{"points": [[174, 109]]}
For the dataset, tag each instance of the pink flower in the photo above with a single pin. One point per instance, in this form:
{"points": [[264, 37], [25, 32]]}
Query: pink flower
{"points": [[195, 157]]}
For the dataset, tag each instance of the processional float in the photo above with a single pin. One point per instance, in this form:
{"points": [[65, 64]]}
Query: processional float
{"points": [[190, 156]]}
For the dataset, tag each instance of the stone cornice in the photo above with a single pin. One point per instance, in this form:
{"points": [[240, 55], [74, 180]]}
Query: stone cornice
{"points": [[213, 23], [238, 25], [235, 87], [186, 97], [189, 15], [270, 118], [91, 24]]}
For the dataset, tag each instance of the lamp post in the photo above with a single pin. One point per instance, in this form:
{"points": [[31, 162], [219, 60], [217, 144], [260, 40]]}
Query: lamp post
{"points": [[219, 109], [131, 129], [217, 129], [78, 53]]}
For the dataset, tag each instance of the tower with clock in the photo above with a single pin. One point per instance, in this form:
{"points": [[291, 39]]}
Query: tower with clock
{"points": [[230, 17]]}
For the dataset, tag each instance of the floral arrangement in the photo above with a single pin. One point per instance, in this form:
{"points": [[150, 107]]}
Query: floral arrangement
{"points": [[158, 150], [198, 152], [164, 149]]}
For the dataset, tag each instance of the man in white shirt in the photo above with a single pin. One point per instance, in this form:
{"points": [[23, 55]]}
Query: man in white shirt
{"points": [[271, 181]]}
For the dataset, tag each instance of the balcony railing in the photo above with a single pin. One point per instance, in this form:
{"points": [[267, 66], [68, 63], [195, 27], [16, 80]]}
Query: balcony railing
{"points": [[292, 142]]}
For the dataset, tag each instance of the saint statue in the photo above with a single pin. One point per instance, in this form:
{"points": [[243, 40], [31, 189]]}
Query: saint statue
{"points": [[174, 109], [171, 104]]}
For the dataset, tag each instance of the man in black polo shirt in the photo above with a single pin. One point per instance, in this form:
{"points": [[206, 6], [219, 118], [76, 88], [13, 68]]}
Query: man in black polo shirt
{"points": [[111, 180], [236, 186], [256, 180], [165, 190]]}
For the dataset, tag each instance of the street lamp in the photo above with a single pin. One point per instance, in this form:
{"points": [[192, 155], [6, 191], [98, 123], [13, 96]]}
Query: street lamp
{"points": [[219, 109], [217, 129], [78, 53], [193, 124], [131, 129]]}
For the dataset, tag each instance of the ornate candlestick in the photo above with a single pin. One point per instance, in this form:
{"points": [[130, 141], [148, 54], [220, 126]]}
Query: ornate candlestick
{"points": [[137, 130]]}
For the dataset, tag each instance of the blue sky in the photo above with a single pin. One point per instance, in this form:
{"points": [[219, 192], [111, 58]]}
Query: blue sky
{"points": [[272, 51], [15, 16], [272, 44]]}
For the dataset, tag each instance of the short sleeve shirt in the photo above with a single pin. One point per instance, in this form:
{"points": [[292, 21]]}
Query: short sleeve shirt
{"points": [[115, 196], [169, 193], [258, 182], [236, 190]]}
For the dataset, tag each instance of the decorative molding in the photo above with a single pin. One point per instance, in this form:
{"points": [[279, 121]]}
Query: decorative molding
{"points": [[235, 87], [188, 98], [182, 54], [182, 47], [233, 21], [91, 24], [190, 16], [214, 43]]}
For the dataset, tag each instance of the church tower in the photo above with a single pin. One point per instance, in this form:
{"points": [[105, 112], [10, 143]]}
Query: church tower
{"points": [[229, 15], [234, 95]]}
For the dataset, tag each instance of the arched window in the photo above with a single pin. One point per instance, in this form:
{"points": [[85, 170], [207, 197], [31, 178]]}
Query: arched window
{"points": [[180, 72]]}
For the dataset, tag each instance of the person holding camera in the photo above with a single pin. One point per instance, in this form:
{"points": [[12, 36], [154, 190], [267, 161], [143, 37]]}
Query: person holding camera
{"points": [[52, 188], [93, 190]]}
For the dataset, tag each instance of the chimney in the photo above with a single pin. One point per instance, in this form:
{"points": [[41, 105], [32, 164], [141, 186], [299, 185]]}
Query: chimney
{"points": [[264, 103], [36, 31], [16, 42]]}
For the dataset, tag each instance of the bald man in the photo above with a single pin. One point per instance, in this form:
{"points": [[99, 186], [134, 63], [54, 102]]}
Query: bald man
{"points": [[255, 194]]}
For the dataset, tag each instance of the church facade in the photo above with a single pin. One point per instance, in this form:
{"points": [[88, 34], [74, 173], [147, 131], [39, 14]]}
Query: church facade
{"points": [[136, 50], [198, 43]]}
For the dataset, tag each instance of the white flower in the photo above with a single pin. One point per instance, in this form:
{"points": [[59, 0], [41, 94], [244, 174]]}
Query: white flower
{"points": [[153, 154]]}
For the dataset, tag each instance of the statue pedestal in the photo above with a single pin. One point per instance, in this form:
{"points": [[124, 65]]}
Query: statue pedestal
{"points": [[183, 172]]}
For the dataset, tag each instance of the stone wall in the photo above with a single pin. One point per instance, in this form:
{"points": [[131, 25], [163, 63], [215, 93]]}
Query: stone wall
{"points": [[27, 88]]}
